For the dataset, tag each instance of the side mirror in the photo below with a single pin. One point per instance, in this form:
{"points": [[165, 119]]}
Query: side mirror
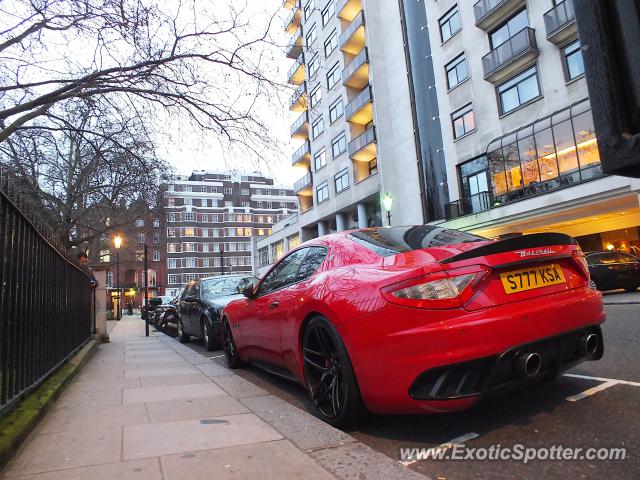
{"points": [[249, 292]]}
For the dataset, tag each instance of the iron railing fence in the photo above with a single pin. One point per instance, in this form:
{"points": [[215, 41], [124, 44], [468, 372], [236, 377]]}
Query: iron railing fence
{"points": [[45, 299]]}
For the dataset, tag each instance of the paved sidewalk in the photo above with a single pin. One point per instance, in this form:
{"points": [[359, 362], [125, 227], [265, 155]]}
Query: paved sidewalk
{"points": [[151, 408]]}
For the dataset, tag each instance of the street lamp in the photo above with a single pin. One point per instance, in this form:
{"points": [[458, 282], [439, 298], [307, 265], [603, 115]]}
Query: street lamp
{"points": [[117, 242], [387, 201]]}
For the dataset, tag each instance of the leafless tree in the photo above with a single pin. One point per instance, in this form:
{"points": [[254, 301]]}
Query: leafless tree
{"points": [[186, 57], [90, 171]]}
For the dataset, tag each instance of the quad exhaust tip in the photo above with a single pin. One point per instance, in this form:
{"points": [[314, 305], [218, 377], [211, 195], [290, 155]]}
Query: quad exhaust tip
{"points": [[528, 363], [589, 344]]}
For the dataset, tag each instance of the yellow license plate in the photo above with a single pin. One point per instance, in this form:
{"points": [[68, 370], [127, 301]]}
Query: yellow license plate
{"points": [[530, 278]]}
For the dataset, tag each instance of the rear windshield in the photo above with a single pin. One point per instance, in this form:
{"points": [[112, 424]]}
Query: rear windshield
{"points": [[386, 241]]}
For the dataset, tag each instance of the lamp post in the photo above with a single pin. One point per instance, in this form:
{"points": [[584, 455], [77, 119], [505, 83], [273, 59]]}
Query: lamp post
{"points": [[387, 201], [117, 242]]}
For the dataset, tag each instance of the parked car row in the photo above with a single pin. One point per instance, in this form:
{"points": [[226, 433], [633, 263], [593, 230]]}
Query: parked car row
{"points": [[404, 319]]}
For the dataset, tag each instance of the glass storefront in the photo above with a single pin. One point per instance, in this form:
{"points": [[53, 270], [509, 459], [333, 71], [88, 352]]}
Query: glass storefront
{"points": [[625, 240], [551, 153]]}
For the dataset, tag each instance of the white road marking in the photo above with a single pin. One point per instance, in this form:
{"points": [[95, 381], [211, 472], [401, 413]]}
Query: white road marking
{"points": [[217, 356], [450, 444], [603, 379], [591, 391]]}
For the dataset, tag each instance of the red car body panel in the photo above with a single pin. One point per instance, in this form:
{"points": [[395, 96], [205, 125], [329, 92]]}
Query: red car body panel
{"points": [[390, 345]]}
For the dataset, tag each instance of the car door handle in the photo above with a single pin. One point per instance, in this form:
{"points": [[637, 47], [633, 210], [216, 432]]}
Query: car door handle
{"points": [[274, 305]]}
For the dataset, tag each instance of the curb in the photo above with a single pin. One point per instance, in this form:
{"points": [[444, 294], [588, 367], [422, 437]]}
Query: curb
{"points": [[622, 303], [337, 452], [18, 424]]}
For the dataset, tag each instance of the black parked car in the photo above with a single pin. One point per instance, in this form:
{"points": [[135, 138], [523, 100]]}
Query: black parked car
{"points": [[613, 270], [166, 317], [202, 302]]}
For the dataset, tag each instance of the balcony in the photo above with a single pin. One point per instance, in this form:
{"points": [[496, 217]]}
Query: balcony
{"points": [[360, 109], [294, 49], [298, 101], [363, 147], [352, 40], [348, 9], [302, 156], [300, 128], [303, 186], [292, 23], [296, 72], [560, 23], [356, 74], [477, 203], [491, 13], [511, 56]]}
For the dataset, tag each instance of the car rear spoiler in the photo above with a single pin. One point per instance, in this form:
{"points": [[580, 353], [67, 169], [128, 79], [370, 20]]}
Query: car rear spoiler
{"points": [[533, 240]]}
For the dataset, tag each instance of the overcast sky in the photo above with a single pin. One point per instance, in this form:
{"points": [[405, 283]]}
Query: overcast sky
{"points": [[187, 151]]}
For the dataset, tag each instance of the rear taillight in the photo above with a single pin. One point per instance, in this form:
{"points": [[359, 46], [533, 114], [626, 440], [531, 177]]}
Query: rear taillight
{"points": [[580, 259], [441, 290]]}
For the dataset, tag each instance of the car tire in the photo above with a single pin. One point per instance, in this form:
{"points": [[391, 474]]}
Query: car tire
{"points": [[229, 345], [182, 336], [329, 377], [209, 341]]}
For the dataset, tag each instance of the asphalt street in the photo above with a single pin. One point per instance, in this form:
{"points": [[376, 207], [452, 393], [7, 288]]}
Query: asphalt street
{"points": [[544, 415]]}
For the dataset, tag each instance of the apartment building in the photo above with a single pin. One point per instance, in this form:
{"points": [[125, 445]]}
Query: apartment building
{"points": [[211, 218], [519, 145]]}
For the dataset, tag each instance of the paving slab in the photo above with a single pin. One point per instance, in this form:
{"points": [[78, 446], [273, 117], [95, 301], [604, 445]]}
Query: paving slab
{"points": [[277, 460], [238, 387], [167, 380], [147, 469], [97, 382], [88, 398], [213, 370], [195, 408], [171, 392], [157, 439], [70, 418], [158, 372], [57, 451]]}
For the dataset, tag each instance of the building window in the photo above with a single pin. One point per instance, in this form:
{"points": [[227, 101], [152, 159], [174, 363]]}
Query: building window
{"points": [[322, 192], [156, 222], [190, 262], [573, 61], [342, 180], [189, 247], [315, 96], [171, 217], [450, 24], [333, 75], [105, 256], [317, 127], [312, 34], [173, 263], [245, 191], [156, 237], [336, 109], [314, 65], [330, 44], [189, 217], [189, 232], [171, 232], [109, 280], [519, 90], [186, 201], [508, 29], [171, 248], [456, 71], [156, 255], [320, 159], [308, 8], [172, 279], [140, 238], [373, 166], [328, 12], [463, 121], [339, 145], [139, 223], [228, 190]]}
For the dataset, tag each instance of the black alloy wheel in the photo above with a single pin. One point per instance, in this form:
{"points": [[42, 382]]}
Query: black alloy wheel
{"points": [[331, 382], [182, 336], [229, 346]]}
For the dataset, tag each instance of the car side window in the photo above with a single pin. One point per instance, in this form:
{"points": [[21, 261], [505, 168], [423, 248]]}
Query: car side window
{"points": [[283, 274], [312, 261], [624, 258], [594, 259]]}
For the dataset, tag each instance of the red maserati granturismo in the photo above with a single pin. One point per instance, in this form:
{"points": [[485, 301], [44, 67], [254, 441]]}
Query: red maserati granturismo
{"points": [[417, 319]]}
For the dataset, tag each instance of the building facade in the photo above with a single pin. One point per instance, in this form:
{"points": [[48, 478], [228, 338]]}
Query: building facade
{"points": [[520, 149], [211, 218]]}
